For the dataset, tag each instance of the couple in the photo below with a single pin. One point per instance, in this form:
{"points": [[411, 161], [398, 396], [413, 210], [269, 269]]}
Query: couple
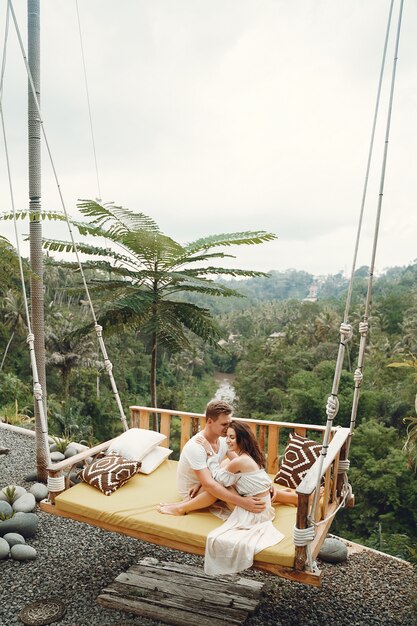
{"points": [[232, 470]]}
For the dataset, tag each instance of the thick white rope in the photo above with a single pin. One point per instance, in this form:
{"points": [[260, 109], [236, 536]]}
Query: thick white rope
{"points": [[345, 329], [88, 99], [56, 483], [363, 326], [75, 248], [37, 387]]}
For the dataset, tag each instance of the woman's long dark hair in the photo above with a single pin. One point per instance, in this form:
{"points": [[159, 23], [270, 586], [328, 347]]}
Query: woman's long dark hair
{"points": [[246, 441]]}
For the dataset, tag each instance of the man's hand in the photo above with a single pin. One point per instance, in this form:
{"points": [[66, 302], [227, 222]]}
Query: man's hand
{"points": [[253, 504], [273, 492]]}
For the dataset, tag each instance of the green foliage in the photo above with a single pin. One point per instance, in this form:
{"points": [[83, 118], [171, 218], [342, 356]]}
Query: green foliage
{"points": [[61, 443], [10, 493], [410, 446], [385, 487], [12, 390], [11, 414]]}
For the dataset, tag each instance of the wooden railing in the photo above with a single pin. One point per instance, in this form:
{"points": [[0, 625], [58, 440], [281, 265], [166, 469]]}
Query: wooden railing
{"points": [[271, 435]]}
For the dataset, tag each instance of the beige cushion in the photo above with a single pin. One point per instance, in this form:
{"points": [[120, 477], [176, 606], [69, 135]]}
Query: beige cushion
{"points": [[133, 509], [135, 443], [300, 454], [109, 473], [153, 459]]}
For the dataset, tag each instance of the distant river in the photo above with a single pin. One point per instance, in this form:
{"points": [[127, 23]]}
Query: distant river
{"points": [[225, 389]]}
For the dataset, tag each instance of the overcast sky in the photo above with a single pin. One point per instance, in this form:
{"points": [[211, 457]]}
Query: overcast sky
{"points": [[219, 116]]}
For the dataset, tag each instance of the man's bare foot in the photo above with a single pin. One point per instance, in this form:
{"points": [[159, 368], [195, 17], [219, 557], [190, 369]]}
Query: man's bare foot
{"points": [[171, 509]]}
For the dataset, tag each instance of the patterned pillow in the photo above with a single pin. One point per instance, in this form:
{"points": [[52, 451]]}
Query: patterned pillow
{"points": [[300, 454], [109, 473]]}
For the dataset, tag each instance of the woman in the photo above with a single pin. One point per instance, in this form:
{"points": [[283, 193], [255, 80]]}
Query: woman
{"points": [[231, 547]]}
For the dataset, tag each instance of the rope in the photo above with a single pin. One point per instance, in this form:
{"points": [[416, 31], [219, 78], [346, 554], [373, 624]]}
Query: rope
{"points": [[363, 327], [345, 335], [88, 100], [303, 536], [56, 483], [37, 387], [101, 342]]}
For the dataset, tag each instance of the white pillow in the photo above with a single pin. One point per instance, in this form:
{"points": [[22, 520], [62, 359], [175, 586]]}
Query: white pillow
{"points": [[134, 444], [153, 459]]}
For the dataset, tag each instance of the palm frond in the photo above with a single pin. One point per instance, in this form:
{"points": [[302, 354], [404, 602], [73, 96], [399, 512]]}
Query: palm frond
{"points": [[116, 219], [195, 318], [55, 245], [224, 271], [209, 289], [230, 239], [34, 215]]}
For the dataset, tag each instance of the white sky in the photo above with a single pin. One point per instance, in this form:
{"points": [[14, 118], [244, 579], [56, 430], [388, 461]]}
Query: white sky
{"points": [[218, 116]]}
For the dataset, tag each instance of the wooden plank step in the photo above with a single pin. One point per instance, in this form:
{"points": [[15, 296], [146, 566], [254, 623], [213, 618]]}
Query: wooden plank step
{"points": [[181, 594]]}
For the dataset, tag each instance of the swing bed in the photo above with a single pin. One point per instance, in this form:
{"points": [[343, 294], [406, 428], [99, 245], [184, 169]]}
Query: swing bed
{"points": [[132, 511]]}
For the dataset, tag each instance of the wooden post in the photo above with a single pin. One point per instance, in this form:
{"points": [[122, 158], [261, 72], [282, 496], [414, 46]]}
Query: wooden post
{"points": [[302, 512], [144, 419], [53, 494], [185, 429], [273, 445], [165, 429]]}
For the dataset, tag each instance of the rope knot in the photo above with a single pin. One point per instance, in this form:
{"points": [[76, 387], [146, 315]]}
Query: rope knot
{"points": [[108, 365], [344, 466], [332, 407], [98, 329], [37, 391], [358, 376], [346, 331], [303, 536], [30, 338], [363, 328]]}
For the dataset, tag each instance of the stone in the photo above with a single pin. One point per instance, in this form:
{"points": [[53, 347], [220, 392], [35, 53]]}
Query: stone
{"points": [[4, 450], [53, 447], [4, 549], [333, 551], [74, 477], [18, 492], [23, 553], [57, 456], [40, 491], [14, 539], [25, 504], [32, 477], [5, 509], [26, 524], [70, 451]]}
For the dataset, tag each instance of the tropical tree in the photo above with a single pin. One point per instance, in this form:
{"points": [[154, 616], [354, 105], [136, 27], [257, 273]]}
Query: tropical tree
{"points": [[410, 446], [146, 277], [14, 317]]}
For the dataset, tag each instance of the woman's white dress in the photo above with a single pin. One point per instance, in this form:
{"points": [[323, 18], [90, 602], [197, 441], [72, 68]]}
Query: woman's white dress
{"points": [[232, 547]]}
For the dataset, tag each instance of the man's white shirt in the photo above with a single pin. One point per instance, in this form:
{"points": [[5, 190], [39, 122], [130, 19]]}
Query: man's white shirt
{"points": [[194, 457]]}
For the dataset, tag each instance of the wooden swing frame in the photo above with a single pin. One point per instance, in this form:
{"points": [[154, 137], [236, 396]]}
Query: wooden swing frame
{"points": [[268, 434]]}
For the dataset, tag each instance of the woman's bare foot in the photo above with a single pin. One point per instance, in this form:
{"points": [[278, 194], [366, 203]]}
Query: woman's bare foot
{"points": [[171, 509]]}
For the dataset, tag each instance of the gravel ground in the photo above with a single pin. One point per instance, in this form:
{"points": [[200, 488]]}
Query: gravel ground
{"points": [[75, 562]]}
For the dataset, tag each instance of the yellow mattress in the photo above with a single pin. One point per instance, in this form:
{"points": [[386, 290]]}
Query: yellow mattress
{"points": [[133, 507]]}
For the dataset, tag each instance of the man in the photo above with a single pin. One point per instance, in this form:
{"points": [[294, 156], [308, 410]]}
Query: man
{"points": [[194, 480]]}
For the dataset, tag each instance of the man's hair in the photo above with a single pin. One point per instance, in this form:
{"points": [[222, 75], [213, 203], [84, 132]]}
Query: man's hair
{"points": [[216, 408]]}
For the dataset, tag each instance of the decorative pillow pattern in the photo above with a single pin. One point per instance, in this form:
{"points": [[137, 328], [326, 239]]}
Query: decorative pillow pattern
{"points": [[154, 459], [109, 473], [135, 443], [300, 454]]}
